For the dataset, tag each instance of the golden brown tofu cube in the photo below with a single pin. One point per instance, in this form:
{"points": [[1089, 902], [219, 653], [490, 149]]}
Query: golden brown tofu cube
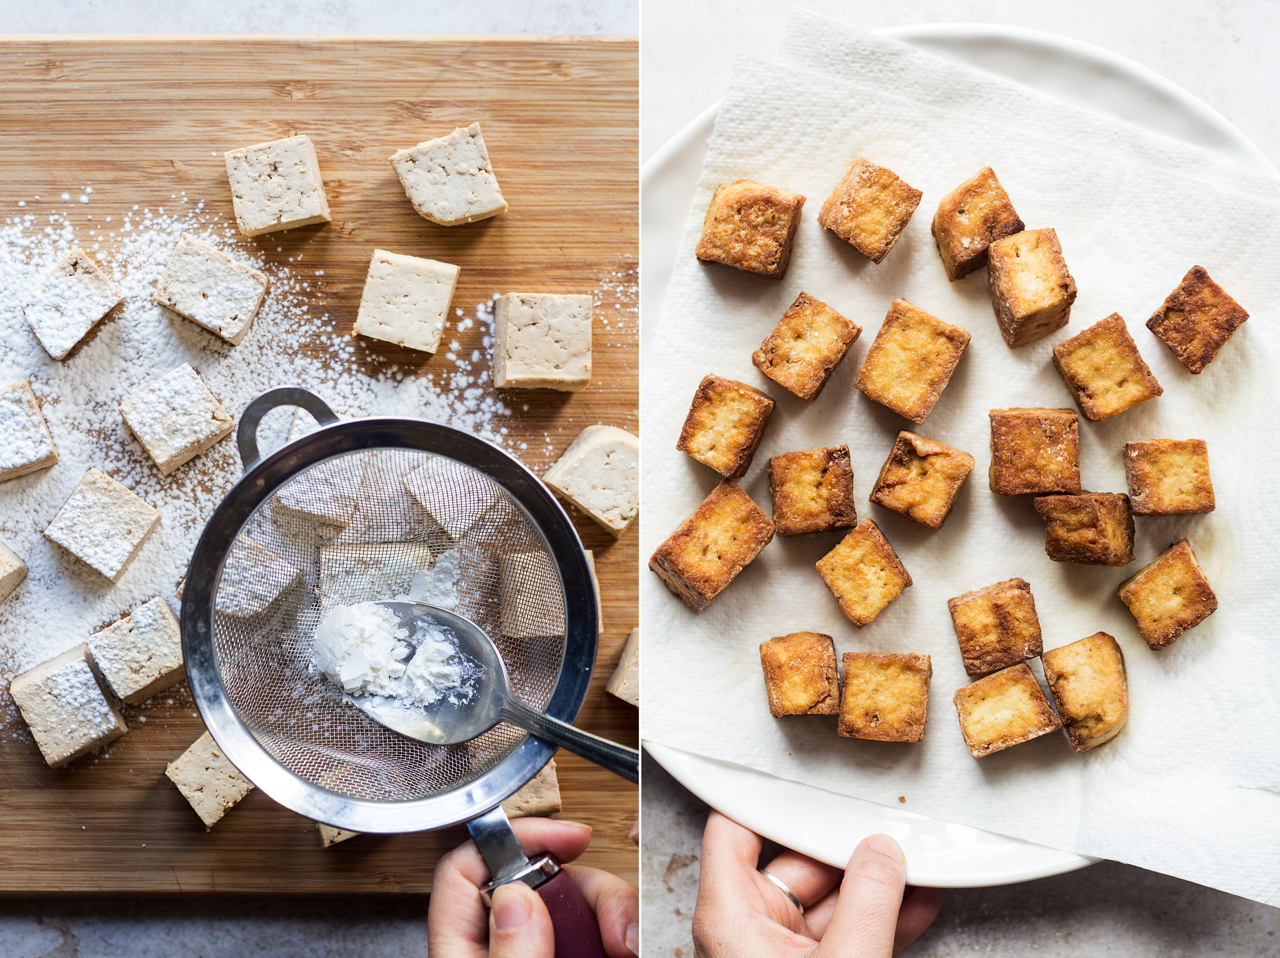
{"points": [[863, 573], [911, 361], [1169, 596], [724, 425], [1088, 683], [996, 626], [920, 479], [1103, 370], [1034, 451], [722, 537], [1168, 477], [1197, 319], [1005, 708], [969, 219], [869, 208], [885, 697], [800, 674], [805, 348], [1031, 289], [1092, 528], [812, 491], [751, 227]]}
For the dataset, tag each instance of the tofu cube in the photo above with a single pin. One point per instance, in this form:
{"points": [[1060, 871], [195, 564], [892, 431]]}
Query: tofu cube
{"points": [[449, 180], [25, 441], [1168, 477], [531, 596], [353, 572], [625, 680], [722, 537], [1091, 528], [66, 708], [800, 674], [252, 579], [1103, 370], [538, 796], [885, 697], [750, 227], [1087, 680], [12, 571], [456, 496], [176, 419], [211, 289], [1034, 451], [812, 491], [911, 361], [920, 479], [806, 346], [103, 524], [331, 836], [1005, 708], [141, 654], [869, 208], [863, 573], [1197, 319], [542, 341], [207, 780], [327, 493], [1031, 288], [276, 186], [969, 219], [996, 626], [405, 300], [725, 422], [1169, 596], [69, 301], [600, 474]]}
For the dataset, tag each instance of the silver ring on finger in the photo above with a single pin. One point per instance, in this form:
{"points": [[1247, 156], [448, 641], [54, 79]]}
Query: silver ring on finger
{"points": [[782, 887]]}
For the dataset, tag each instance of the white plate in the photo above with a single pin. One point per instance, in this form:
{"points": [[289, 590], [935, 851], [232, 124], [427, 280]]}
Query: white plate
{"points": [[809, 819]]}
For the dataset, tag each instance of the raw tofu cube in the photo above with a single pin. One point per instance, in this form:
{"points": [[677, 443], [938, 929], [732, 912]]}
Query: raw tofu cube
{"points": [[211, 289], [176, 419], [538, 796], [456, 496], [276, 186], [66, 708], [996, 626], [252, 579], [327, 493], [542, 341], [1197, 319], [911, 361], [1168, 477], [449, 179], [725, 422], [1031, 288], [1034, 451], [208, 780], [531, 595], [812, 491], [722, 537], [12, 571], [1005, 708], [1103, 370], [869, 208], [1092, 528], [885, 697], [69, 301], [863, 573], [800, 674], [969, 219], [600, 474], [141, 654], [920, 479], [1169, 596], [25, 441], [750, 227], [367, 571], [805, 348], [103, 524], [331, 836], [405, 300], [625, 680], [1087, 680]]}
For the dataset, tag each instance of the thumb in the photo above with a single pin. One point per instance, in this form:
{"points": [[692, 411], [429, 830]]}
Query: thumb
{"points": [[519, 924], [866, 913]]}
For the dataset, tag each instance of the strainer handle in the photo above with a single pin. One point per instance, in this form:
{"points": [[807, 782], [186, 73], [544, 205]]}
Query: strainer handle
{"points": [[608, 755], [247, 432]]}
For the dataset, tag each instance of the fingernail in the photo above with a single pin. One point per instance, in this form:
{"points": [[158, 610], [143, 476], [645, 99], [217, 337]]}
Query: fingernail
{"points": [[510, 908], [633, 938], [565, 821], [887, 846], [634, 834]]}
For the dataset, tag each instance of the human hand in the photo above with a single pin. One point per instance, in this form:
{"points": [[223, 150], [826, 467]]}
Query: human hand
{"points": [[741, 914], [518, 925]]}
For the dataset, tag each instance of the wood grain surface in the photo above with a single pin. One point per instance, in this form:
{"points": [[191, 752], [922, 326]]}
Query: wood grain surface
{"points": [[139, 118]]}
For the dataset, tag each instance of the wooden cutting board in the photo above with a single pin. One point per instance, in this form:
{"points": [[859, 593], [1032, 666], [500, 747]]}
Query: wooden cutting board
{"points": [[139, 119]]}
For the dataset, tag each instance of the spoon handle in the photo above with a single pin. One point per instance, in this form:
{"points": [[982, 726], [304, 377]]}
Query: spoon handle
{"points": [[616, 758]]}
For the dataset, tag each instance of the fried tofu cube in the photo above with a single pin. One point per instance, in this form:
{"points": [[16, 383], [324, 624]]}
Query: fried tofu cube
{"points": [[812, 491], [1102, 368], [885, 697], [1087, 680], [863, 573], [869, 208], [969, 219], [806, 346], [1005, 708], [911, 361], [750, 227], [724, 425], [920, 479], [1034, 451], [996, 626], [800, 674], [1169, 596], [1197, 319], [1092, 528], [722, 537], [1031, 288], [1168, 477]]}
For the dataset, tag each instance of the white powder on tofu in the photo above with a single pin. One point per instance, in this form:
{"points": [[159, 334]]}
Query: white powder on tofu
{"points": [[176, 416], [84, 711], [24, 438], [68, 302]]}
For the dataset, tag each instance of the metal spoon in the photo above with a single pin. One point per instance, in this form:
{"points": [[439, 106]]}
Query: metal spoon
{"points": [[450, 721]]}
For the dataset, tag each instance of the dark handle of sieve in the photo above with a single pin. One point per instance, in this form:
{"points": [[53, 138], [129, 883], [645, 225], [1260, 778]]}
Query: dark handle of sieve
{"points": [[608, 755], [577, 929], [247, 431]]}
